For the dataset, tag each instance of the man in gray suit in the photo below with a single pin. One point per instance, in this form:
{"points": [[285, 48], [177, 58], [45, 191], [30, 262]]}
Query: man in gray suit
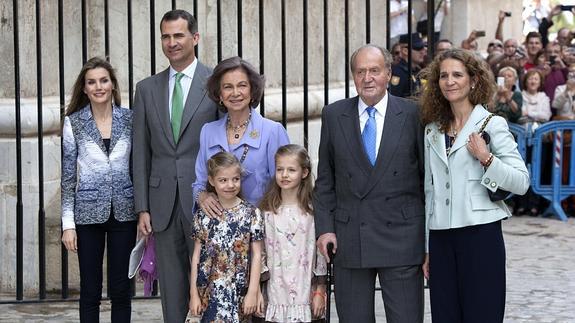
{"points": [[369, 195], [169, 111]]}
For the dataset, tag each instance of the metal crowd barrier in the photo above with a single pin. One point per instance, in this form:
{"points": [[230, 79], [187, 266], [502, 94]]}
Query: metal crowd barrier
{"points": [[556, 191]]}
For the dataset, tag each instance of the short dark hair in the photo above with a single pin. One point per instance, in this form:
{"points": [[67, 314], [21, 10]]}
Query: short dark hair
{"points": [[533, 34], [177, 14], [257, 81]]}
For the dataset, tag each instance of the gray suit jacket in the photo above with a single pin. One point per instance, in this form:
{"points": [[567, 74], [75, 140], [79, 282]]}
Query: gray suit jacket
{"points": [[377, 212], [161, 166]]}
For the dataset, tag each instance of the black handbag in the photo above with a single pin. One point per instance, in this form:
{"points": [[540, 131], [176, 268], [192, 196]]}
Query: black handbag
{"points": [[499, 194]]}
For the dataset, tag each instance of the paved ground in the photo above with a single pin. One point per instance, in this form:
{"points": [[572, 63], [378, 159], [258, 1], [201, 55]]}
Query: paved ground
{"points": [[540, 281]]}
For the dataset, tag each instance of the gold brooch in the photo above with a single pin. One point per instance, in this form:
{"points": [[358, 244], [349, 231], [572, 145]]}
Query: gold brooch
{"points": [[254, 134]]}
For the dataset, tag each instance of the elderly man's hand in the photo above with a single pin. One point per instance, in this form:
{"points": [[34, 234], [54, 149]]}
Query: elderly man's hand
{"points": [[323, 241]]}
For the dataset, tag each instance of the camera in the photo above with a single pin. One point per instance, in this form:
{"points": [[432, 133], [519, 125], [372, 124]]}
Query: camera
{"points": [[552, 60], [507, 13], [480, 33], [567, 8]]}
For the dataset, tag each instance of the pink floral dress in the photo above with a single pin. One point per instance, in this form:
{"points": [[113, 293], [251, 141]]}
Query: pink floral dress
{"points": [[293, 261]]}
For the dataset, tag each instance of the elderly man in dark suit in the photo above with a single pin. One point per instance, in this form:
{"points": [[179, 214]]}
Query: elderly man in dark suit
{"points": [[170, 108], [369, 199]]}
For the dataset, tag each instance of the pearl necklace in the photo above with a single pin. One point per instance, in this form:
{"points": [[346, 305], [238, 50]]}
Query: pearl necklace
{"points": [[237, 129]]}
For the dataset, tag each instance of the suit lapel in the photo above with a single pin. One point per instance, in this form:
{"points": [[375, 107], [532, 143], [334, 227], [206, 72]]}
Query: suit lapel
{"points": [[436, 140], [390, 138], [161, 98], [120, 124], [470, 126], [90, 128], [195, 95], [349, 127]]}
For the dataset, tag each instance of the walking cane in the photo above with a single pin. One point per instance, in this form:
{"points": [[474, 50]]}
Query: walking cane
{"points": [[329, 281]]}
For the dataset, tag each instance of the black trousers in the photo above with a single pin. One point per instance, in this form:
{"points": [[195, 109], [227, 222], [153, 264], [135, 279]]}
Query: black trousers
{"points": [[120, 238], [467, 274]]}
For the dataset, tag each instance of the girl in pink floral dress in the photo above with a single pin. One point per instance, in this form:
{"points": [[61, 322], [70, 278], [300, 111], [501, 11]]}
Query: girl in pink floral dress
{"points": [[296, 288]]}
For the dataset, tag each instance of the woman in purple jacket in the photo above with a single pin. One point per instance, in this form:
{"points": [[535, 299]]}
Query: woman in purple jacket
{"points": [[242, 131]]}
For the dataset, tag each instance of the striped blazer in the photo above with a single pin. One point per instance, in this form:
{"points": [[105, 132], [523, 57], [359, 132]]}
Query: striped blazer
{"points": [[95, 182]]}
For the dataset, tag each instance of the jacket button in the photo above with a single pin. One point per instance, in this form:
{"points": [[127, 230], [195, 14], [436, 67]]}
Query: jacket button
{"points": [[447, 185], [486, 181], [446, 170], [388, 223], [493, 184], [446, 201]]}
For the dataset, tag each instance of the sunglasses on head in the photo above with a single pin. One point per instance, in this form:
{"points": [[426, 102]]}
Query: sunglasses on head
{"points": [[495, 44]]}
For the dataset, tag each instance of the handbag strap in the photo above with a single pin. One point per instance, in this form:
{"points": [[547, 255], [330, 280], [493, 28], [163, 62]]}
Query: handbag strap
{"points": [[485, 122]]}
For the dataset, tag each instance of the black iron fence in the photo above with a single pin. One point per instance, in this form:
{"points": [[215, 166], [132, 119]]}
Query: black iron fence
{"points": [[153, 26]]}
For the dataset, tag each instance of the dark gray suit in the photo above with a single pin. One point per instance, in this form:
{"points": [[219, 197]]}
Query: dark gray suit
{"points": [[163, 177], [377, 212]]}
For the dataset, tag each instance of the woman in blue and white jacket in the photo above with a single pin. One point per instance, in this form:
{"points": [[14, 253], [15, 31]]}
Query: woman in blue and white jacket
{"points": [[97, 192]]}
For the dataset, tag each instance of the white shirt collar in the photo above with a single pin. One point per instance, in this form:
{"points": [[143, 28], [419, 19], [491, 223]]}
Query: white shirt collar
{"points": [[188, 71], [380, 106]]}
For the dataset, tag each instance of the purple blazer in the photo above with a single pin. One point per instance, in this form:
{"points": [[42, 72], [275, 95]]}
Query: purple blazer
{"points": [[262, 137]]}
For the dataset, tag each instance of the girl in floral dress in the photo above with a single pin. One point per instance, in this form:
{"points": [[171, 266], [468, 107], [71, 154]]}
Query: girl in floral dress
{"points": [[226, 262], [296, 288]]}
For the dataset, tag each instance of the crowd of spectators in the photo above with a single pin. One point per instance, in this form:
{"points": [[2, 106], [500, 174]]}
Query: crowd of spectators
{"points": [[535, 77]]}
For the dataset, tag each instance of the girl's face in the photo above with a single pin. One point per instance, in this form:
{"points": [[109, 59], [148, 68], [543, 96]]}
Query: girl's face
{"points": [[227, 182], [533, 83], [289, 172]]}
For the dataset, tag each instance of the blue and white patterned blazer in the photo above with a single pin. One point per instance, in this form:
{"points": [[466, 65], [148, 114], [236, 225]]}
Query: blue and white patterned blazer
{"points": [[92, 180]]}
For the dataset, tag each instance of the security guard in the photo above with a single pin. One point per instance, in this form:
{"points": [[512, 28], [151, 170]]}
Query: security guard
{"points": [[400, 77]]}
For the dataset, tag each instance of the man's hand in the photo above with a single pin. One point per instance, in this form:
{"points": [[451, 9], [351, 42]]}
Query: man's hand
{"points": [[323, 241], [425, 266], [144, 223], [210, 204], [69, 240]]}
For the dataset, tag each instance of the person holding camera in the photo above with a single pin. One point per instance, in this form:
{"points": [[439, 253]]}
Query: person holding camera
{"points": [[564, 97], [554, 69]]}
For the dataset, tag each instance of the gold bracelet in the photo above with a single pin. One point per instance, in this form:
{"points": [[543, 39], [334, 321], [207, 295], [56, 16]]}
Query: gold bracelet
{"points": [[488, 161]]}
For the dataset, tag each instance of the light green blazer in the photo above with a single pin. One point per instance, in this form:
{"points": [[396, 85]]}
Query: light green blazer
{"points": [[456, 185]]}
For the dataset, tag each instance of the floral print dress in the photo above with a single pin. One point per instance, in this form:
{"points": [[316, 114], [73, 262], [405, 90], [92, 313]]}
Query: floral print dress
{"points": [[223, 268], [293, 261]]}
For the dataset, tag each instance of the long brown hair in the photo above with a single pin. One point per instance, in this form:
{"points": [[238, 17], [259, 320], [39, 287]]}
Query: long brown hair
{"points": [[273, 198], [79, 99], [434, 106]]}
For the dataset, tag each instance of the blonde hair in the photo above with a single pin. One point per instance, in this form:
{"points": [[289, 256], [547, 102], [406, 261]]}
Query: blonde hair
{"points": [[218, 162], [272, 199], [510, 69]]}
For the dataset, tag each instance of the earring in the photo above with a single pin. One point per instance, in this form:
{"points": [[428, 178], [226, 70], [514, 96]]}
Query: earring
{"points": [[221, 103]]}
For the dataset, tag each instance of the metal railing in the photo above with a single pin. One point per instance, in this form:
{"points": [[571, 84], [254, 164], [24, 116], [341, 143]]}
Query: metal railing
{"points": [[153, 25]]}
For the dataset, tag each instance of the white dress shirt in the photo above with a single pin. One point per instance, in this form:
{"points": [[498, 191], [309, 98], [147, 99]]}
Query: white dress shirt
{"points": [[186, 82], [380, 109]]}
